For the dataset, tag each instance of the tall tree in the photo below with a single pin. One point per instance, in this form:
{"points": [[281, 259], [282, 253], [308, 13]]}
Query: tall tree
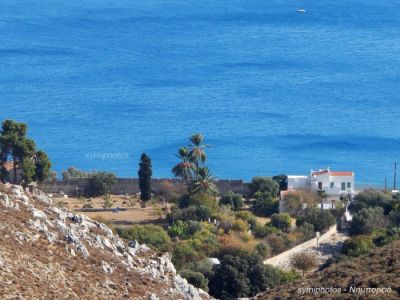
{"points": [[145, 172], [197, 149], [203, 183], [21, 150], [192, 168], [12, 139], [42, 165], [186, 167]]}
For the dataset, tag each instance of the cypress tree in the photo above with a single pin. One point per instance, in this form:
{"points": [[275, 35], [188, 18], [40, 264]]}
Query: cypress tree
{"points": [[145, 173]]}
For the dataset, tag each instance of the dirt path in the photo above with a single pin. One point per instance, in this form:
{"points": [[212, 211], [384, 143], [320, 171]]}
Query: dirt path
{"points": [[329, 243]]}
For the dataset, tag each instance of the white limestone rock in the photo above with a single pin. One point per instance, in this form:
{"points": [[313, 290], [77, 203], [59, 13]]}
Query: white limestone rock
{"points": [[106, 267], [37, 213]]}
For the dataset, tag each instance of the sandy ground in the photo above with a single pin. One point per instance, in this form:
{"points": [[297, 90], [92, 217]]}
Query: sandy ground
{"points": [[132, 215]]}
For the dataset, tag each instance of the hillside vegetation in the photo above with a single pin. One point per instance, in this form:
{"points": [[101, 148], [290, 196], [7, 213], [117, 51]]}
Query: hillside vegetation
{"points": [[51, 253]]}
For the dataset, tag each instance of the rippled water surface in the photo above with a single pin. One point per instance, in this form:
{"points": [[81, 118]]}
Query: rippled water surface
{"points": [[272, 89]]}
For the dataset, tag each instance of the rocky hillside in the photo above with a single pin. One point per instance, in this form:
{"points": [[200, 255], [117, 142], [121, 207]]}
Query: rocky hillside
{"points": [[52, 253], [376, 270]]}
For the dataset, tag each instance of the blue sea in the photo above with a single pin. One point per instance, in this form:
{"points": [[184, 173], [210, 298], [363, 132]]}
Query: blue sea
{"points": [[273, 90]]}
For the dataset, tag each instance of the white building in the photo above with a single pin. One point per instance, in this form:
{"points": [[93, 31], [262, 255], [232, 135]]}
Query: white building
{"points": [[334, 183]]}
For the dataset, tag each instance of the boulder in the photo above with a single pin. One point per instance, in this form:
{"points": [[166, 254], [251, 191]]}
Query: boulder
{"points": [[37, 213], [106, 267], [4, 200]]}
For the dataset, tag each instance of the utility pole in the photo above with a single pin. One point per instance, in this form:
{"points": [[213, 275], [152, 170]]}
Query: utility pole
{"points": [[395, 175], [385, 183]]}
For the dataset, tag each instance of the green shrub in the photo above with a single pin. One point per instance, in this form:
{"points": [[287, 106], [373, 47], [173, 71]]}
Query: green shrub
{"points": [[387, 236], [198, 200], [193, 227], [179, 229], [235, 201], [287, 277], [321, 220], [248, 217], [292, 203], [101, 183], [367, 220], [240, 225], [371, 198], [307, 231], [281, 221], [263, 231], [194, 213], [151, 235], [357, 246], [263, 249], [265, 205], [197, 279], [395, 216], [278, 243], [184, 253], [282, 181], [242, 275], [264, 185]]}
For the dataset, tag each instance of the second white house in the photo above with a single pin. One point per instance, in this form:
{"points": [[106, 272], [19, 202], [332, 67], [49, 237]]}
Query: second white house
{"points": [[334, 183]]}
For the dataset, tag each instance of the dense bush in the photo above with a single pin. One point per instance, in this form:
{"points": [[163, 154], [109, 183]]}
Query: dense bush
{"points": [[101, 184], [243, 275], [281, 221], [371, 198], [387, 236], [248, 217], [357, 246], [265, 205], [262, 231], [234, 241], [277, 242], [394, 216], [303, 261], [263, 249], [235, 201], [195, 213], [367, 220], [282, 181], [264, 185], [179, 229], [151, 235], [292, 203], [289, 276], [240, 225], [195, 278], [321, 220], [184, 253], [200, 199], [307, 230]]}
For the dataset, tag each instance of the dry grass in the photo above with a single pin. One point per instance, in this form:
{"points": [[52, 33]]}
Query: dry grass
{"points": [[379, 268], [132, 215]]}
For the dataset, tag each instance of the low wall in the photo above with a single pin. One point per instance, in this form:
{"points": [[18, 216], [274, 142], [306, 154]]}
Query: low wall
{"points": [[131, 186]]}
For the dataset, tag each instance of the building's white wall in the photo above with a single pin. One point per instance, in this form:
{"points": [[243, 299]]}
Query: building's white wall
{"points": [[298, 182], [346, 179], [324, 178]]}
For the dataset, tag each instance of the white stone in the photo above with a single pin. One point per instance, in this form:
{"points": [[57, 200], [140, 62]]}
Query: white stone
{"points": [[37, 213], [106, 267], [5, 200]]}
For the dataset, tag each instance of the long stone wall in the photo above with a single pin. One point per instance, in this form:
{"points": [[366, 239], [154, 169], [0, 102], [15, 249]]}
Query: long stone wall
{"points": [[131, 186]]}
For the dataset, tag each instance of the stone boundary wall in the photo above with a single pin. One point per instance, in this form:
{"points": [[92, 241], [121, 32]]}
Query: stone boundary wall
{"points": [[131, 186]]}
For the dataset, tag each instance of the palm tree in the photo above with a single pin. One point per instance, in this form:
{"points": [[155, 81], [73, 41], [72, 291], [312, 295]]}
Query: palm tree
{"points": [[184, 169], [204, 182], [196, 149]]}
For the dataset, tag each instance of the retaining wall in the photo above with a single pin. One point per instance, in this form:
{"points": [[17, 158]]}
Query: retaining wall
{"points": [[131, 186]]}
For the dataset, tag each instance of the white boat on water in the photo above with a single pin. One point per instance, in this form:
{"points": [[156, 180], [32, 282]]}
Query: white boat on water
{"points": [[302, 11]]}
